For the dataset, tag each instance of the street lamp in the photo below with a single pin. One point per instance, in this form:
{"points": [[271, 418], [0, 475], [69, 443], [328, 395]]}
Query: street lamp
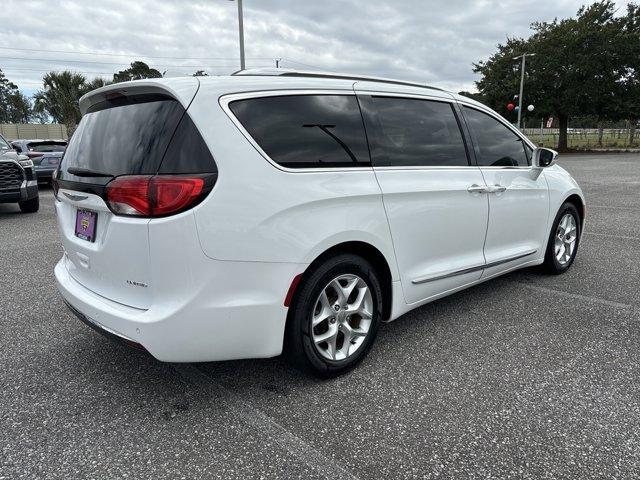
{"points": [[241, 33], [523, 57]]}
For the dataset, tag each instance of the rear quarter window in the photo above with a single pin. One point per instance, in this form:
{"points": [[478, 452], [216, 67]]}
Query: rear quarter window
{"points": [[306, 131]]}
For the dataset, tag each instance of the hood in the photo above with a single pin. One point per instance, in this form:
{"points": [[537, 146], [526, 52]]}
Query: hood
{"points": [[11, 155]]}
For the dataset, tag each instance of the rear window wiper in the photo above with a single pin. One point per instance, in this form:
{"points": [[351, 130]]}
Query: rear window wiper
{"points": [[85, 172]]}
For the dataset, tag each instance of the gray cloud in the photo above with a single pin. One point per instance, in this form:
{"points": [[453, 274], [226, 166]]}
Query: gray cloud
{"points": [[433, 42]]}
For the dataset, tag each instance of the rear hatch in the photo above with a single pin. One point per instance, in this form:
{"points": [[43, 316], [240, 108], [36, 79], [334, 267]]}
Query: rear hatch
{"points": [[46, 153], [136, 155]]}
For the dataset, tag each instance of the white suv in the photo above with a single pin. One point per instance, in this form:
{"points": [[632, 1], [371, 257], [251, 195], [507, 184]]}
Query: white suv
{"points": [[231, 217]]}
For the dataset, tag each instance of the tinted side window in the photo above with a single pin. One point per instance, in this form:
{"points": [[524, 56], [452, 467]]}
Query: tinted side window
{"points": [[495, 144], [306, 131], [413, 132]]}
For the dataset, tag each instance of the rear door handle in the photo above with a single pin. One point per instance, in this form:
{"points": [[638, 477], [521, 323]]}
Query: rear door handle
{"points": [[497, 189], [475, 188]]}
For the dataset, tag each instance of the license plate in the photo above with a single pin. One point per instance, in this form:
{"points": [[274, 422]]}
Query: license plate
{"points": [[86, 225]]}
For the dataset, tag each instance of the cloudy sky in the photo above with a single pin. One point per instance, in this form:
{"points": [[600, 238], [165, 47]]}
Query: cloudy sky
{"points": [[422, 40]]}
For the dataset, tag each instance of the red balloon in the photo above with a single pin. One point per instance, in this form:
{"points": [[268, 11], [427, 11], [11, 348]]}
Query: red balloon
{"points": [[510, 106]]}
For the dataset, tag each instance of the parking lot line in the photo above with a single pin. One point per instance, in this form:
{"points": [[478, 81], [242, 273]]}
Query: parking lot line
{"points": [[616, 207], [576, 296], [612, 235], [265, 426]]}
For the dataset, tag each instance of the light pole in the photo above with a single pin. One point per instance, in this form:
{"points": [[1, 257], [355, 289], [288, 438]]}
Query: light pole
{"points": [[523, 57], [241, 33]]}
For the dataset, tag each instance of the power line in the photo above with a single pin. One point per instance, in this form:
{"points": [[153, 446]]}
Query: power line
{"points": [[107, 54], [45, 70], [51, 60], [299, 63], [128, 54]]}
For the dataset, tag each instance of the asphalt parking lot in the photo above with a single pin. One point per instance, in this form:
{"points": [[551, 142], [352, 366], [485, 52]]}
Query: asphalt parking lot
{"points": [[527, 376]]}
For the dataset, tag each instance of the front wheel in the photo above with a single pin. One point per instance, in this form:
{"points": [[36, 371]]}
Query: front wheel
{"points": [[563, 240], [334, 317]]}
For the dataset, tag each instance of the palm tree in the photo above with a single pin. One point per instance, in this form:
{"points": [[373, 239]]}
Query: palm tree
{"points": [[60, 96]]}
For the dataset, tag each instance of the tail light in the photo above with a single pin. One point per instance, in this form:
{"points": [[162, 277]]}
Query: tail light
{"points": [[33, 155], [156, 195]]}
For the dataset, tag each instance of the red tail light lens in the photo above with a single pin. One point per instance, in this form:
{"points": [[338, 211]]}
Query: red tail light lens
{"points": [[33, 155], [154, 196]]}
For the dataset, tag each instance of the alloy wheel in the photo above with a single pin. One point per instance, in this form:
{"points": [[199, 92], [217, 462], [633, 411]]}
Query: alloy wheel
{"points": [[341, 317], [565, 239]]}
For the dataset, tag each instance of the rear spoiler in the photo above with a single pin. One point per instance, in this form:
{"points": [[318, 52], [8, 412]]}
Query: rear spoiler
{"points": [[183, 89]]}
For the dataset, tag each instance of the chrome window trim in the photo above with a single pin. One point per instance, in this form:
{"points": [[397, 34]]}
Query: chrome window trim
{"points": [[449, 98], [475, 268], [226, 99], [425, 167]]}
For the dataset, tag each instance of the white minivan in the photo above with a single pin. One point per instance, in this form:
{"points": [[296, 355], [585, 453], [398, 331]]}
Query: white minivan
{"points": [[217, 218]]}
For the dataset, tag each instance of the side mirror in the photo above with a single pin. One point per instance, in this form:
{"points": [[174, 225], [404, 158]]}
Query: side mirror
{"points": [[543, 157]]}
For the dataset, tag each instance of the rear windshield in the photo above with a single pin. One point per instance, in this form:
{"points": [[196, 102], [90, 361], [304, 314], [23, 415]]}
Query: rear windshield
{"points": [[131, 135], [47, 146]]}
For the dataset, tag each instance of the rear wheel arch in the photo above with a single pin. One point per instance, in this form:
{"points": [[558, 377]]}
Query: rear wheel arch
{"points": [[369, 253]]}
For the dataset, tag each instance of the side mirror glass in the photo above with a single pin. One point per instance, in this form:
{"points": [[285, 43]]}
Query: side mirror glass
{"points": [[544, 157]]}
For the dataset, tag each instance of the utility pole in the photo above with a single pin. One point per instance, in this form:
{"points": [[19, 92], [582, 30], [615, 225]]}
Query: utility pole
{"points": [[522, 67], [241, 33]]}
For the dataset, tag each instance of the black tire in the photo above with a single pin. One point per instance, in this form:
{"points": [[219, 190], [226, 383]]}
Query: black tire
{"points": [[551, 264], [299, 346], [30, 206]]}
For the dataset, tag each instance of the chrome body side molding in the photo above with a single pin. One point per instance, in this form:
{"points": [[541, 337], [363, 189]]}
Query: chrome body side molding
{"points": [[476, 268]]}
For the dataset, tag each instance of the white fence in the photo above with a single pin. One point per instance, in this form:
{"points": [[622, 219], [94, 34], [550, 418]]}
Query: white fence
{"points": [[584, 138], [15, 131]]}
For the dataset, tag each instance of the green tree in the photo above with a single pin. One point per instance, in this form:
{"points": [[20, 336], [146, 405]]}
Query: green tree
{"points": [[60, 96], [474, 96], [15, 107], [631, 79], [578, 68], [137, 71]]}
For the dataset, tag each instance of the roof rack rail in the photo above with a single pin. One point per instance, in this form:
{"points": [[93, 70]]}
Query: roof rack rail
{"points": [[286, 72]]}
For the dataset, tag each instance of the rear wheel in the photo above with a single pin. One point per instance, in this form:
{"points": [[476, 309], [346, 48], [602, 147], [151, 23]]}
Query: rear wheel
{"points": [[30, 206], [334, 316], [563, 240]]}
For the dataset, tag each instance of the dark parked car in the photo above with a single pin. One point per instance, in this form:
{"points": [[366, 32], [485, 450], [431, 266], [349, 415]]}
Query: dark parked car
{"points": [[45, 154], [18, 182]]}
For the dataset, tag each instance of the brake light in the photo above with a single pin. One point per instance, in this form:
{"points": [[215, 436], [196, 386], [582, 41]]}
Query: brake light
{"points": [[154, 195], [33, 155]]}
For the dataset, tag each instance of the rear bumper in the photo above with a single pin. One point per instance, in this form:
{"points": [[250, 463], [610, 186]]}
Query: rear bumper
{"points": [[44, 172], [237, 313], [27, 191]]}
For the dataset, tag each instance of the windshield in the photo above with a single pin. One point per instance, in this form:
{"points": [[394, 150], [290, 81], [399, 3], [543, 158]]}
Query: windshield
{"points": [[3, 144]]}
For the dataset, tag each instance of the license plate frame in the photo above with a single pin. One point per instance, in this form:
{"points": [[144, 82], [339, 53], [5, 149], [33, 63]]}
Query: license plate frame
{"points": [[86, 223]]}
